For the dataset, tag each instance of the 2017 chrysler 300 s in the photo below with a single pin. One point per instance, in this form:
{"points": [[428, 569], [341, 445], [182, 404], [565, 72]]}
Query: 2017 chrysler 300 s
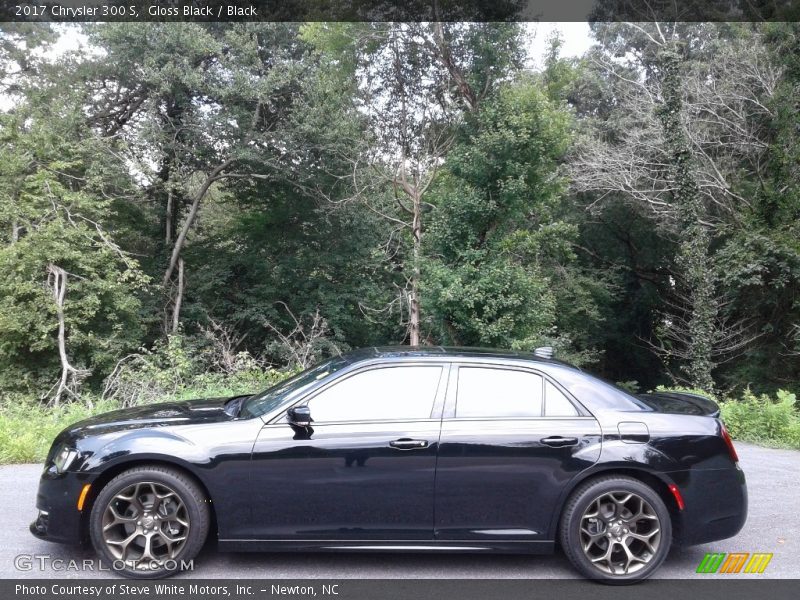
{"points": [[415, 449]]}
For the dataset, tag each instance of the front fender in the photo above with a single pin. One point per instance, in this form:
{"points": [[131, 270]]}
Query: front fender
{"points": [[98, 454], [217, 455]]}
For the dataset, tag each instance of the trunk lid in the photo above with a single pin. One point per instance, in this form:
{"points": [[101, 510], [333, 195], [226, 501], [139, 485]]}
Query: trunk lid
{"points": [[682, 403]]}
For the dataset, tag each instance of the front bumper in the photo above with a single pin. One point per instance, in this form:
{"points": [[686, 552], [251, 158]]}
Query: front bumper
{"points": [[59, 519]]}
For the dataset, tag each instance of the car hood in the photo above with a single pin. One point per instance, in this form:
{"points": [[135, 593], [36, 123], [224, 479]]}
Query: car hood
{"points": [[187, 412]]}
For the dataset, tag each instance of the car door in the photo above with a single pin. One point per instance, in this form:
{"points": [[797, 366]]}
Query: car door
{"points": [[511, 441], [365, 467]]}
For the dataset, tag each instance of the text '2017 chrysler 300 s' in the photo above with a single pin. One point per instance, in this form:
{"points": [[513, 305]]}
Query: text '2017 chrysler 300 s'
{"points": [[393, 449]]}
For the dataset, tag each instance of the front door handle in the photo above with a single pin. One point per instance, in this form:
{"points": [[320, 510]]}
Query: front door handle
{"points": [[559, 442], [408, 444]]}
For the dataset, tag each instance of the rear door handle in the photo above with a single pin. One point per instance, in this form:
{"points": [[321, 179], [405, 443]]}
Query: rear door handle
{"points": [[559, 442], [408, 444]]}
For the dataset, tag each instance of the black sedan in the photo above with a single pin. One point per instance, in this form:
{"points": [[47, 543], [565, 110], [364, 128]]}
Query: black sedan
{"points": [[401, 449]]}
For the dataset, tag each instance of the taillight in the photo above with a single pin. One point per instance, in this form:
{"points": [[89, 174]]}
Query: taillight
{"points": [[728, 442]]}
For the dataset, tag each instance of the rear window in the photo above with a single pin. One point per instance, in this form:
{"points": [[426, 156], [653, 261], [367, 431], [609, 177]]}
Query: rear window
{"points": [[594, 393], [556, 403]]}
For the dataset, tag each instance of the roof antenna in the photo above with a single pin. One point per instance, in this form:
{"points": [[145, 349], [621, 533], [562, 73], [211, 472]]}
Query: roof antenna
{"points": [[544, 352]]}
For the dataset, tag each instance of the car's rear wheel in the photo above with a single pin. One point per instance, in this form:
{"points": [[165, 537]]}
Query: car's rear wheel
{"points": [[616, 530], [149, 522]]}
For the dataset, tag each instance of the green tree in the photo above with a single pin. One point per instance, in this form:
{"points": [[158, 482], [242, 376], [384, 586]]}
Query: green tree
{"points": [[682, 126], [414, 83], [759, 262], [496, 237], [68, 297], [197, 108]]}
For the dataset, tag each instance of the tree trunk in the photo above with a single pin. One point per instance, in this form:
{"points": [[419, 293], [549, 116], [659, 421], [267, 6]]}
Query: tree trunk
{"points": [[176, 309], [57, 281], [414, 303], [694, 255], [413, 324], [187, 225], [168, 218], [443, 52]]}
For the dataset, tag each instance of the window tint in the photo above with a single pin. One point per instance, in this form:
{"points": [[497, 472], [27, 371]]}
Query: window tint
{"points": [[556, 403], [379, 394], [486, 392]]}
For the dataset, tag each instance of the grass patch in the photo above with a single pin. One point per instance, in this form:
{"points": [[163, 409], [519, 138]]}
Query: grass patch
{"points": [[27, 428]]}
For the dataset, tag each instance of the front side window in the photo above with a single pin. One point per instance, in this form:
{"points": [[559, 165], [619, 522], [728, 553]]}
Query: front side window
{"points": [[502, 393], [388, 393]]}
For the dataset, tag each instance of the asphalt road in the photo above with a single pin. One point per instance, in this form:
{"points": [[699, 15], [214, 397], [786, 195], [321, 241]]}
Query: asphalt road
{"points": [[773, 478]]}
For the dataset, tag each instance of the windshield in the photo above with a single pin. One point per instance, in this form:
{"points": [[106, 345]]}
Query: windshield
{"points": [[272, 398]]}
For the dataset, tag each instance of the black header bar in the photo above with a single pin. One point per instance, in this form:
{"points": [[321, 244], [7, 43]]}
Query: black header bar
{"points": [[398, 10]]}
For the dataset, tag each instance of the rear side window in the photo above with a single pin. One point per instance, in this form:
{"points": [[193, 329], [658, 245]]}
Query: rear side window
{"points": [[556, 404], [594, 393], [487, 392]]}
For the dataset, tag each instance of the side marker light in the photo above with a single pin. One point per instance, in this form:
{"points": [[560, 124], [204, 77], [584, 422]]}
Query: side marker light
{"points": [[677, 494], [82, 497]]}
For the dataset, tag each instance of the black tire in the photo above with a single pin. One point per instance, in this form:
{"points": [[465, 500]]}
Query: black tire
{"points": [[648, 538], [172, 541]]}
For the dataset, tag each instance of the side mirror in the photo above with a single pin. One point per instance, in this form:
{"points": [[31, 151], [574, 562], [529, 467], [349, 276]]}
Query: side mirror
{"points": [[299, 416]]}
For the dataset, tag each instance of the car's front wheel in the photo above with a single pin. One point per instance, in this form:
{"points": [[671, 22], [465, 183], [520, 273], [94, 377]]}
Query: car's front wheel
{"points": [[149, 522], [615, 529]]}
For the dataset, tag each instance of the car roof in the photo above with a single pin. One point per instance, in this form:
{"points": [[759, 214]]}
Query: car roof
{"points": [[388, 352]]}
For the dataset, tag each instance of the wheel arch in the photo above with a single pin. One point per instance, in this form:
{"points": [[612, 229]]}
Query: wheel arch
{"points": [[656, 481], [120, 467]]}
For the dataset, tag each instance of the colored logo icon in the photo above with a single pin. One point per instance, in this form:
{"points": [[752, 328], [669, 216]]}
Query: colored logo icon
{"points": [[735, 562]]}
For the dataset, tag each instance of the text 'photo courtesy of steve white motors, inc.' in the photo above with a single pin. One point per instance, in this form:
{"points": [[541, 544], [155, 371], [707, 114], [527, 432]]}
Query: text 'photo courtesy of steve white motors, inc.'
{"points": [[190, 590]]}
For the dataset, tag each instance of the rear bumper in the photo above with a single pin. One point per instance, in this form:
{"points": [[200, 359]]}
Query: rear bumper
{"points": [[59, 519], [716, 505]]}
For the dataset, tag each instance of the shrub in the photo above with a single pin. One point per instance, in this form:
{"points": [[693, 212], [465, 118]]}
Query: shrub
{"points": [[631, 386], [687, 390], [172, 370], [151, 374], [245, 381], [759, 419], [762, 419]]}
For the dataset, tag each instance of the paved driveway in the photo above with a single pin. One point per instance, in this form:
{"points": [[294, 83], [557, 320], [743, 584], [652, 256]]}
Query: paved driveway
{"points": [[773, 478]]}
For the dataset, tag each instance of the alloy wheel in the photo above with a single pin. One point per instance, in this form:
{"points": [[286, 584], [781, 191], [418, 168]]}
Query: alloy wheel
{"points": [[145, 525], [620, 533]]}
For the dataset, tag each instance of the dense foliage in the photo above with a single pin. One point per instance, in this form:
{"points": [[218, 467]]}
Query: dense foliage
{"points": [[765, 420], [181, 199]]}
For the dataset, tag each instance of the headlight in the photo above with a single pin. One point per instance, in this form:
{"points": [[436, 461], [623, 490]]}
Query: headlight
{"points": [[64, 458]]}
